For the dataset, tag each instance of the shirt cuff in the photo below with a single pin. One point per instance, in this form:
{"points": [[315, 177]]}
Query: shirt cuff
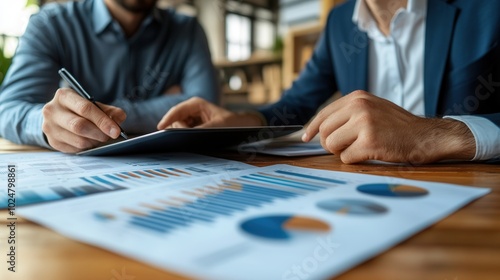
{"points": [[486, 135], [34, 128]]}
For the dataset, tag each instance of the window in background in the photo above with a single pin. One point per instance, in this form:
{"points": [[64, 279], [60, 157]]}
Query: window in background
{"points": [[264, 34], [14, 16], [264, 30], [238, 36], [249, 28]]}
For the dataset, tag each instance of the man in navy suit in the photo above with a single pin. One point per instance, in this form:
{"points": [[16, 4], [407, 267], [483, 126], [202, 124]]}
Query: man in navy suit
{"points": [[420, 79]]}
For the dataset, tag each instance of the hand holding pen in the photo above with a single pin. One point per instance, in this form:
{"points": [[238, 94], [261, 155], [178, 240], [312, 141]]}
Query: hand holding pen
{"points": [[76, 122]]}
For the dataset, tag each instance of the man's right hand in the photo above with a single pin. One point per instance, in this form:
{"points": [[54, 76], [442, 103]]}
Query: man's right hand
{"points": [[73, 123], [197, 112]]}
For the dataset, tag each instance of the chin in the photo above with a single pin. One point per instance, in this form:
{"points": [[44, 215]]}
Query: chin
{"points": [[137, 6]]}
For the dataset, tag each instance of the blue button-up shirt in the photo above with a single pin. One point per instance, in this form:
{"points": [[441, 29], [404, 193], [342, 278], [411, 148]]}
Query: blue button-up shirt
{"points": [[131, 73]]}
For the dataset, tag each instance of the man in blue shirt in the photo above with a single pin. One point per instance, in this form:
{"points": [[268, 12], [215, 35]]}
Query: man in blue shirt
{"points": [[421, 80], [136, 59]]}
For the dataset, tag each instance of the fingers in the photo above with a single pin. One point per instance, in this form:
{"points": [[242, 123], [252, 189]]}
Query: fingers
{"points": [[314, 127], [191, 108], [355, 153], [68, 142], [86, 109], [180, 124], [335, 121], [340, 139], [79, 126], [72, 123], [114, 113]]}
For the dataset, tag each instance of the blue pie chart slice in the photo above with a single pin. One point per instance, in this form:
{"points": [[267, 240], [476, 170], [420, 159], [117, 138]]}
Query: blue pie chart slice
{"points": [[282, 227], [352, 207], [392, 190]]}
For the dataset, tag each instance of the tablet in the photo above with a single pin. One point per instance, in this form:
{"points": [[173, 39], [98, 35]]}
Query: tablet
{"points": [[191, 140]]}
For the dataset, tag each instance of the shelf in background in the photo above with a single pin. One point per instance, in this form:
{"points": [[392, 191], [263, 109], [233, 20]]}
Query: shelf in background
{"points": [[254, 60], [254, 81]]}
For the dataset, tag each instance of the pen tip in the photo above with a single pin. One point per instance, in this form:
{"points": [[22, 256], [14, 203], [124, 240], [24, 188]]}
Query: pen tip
{"points": [[124, 135]]}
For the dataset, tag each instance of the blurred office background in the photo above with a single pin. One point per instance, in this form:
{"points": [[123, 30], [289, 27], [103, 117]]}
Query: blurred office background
{"points": [[258, 46]]}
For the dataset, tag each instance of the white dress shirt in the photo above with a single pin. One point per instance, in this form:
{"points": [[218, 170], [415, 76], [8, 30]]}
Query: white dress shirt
{"points": [[396, 69]]}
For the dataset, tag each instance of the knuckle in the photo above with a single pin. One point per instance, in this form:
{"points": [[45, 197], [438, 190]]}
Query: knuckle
{"points": [[322, 127], [45, 127], [81, 144], [197, 101], [346, 158], [47, 110], [323, 114], [361, 104], [331, 143], [59, 93], [322, 140], [359, 93], [77, 125], [102, 121], [84, 108]]}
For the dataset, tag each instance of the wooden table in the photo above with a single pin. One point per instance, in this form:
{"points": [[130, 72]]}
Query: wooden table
{"points": [[465, 245]]}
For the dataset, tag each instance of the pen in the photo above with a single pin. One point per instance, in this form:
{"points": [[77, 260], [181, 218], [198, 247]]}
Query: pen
{"points": [[79, 89]]}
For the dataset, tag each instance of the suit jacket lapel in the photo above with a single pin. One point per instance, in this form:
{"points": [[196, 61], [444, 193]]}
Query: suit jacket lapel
{"points": [[358, 67], [439, 29]]}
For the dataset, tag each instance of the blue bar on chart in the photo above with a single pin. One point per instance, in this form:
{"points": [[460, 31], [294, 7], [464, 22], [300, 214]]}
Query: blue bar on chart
{"points": [[141, 176], [32, 196], [329, 180], [199, 170], [229, 197]]}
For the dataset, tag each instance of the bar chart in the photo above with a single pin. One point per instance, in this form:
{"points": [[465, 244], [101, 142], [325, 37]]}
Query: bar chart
{"points": [[32, 196], [207, 203], [58, 176], [144, 176]]}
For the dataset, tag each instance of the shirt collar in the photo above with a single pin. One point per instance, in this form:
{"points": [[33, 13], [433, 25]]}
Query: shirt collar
{"points": [[102, 18], [365, 21]]}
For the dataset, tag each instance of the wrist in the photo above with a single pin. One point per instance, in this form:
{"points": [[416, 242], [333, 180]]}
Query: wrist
{"points": [[452, 140]]}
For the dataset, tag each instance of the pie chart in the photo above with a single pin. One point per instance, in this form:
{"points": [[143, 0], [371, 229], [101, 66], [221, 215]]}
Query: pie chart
{"points": [[392, 190], [352, 207], [283, 227]]}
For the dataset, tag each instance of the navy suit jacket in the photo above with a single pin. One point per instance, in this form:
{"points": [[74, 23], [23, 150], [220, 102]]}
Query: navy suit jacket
{"points": [[461, 63]]}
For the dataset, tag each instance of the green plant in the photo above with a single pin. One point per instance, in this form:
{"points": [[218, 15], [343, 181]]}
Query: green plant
{"points": [[5, 61], [4, 65], [278, 45], [31, 2]]}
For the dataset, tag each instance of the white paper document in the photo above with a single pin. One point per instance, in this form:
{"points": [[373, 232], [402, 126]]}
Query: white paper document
{"points": [[276, 222], [52, 176]]}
